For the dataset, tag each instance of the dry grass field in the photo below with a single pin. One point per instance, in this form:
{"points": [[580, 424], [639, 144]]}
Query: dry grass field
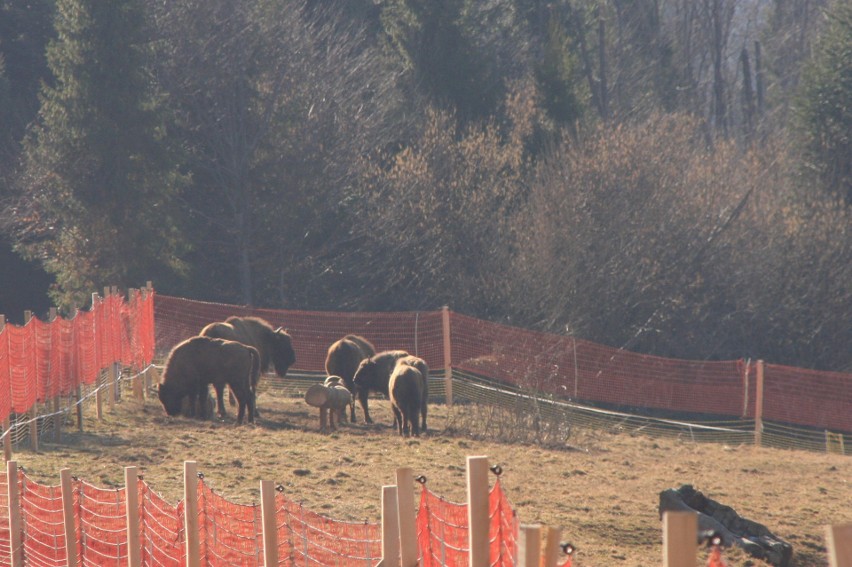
{"points": [[601, 487]]}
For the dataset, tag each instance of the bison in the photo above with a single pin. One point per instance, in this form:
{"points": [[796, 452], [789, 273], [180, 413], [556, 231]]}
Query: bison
{"points": [[198, 362], [406, 388], [274, 345], [374, 374], [343, 358]]}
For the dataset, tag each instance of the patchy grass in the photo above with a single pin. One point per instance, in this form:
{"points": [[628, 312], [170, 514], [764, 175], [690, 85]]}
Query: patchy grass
{"points": [[601, 488]]}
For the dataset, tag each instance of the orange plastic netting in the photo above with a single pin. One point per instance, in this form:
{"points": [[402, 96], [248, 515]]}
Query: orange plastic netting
{"points": [[41, 360], [442, 530], [308, 538]]}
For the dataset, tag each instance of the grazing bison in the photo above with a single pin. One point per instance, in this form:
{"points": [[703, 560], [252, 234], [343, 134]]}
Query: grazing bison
{"points": [[331, 397], [343, 359], [373, 374], [406, 395], [200, 361], [274, 345]]}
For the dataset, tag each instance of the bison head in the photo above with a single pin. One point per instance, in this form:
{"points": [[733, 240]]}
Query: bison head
{"points": [[171, 399], [283, 355], [366, 376]]}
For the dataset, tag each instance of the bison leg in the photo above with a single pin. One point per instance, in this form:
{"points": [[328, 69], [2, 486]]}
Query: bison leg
{"points": [[220, 400], [323, 419], [423, 414], [397, 419], [362, 397]]}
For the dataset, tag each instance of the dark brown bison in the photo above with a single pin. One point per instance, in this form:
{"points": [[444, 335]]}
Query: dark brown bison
{"points": [[274, 345], [343, 359], [406, 395], [421, 366], [373, 375], [198, 362]]}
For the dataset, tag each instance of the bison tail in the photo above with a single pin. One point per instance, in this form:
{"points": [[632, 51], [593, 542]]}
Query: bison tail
{"points": [[255, 368]]}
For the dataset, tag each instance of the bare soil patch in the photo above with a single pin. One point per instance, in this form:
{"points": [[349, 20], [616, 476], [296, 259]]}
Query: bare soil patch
{"points": [[600, 487]]}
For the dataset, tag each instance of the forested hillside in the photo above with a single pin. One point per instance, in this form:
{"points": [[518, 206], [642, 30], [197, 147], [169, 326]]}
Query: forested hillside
{"points": [[667, 176]]}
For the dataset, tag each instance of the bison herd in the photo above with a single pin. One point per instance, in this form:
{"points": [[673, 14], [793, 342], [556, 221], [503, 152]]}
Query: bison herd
{"points": [[235, 352]]}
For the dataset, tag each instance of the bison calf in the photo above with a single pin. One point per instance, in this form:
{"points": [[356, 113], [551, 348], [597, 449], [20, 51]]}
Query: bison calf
{"points": [[198, 362]]}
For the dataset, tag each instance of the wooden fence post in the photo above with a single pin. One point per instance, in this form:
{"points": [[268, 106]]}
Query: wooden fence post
{"points": [[551, 547], [407, 517], [529, 546], [16, 555], [190, 511], [131, 491], [7, 422], [839, 540], [680, 539], [477, 511], [269, 523], [68, 517], [33, 413], [390, 527], [99, 396], [448, 356], [758, 405]]}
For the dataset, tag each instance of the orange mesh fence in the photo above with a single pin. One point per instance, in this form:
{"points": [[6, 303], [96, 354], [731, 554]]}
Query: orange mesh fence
{"points": [[442, 531], [582, 370], [5, 535], [231, 534], [807, 397], [308, 538], [312, 331], [503, 530], [43, 518], [553, 364], [41, 360], [161, 530], [102, 525]]}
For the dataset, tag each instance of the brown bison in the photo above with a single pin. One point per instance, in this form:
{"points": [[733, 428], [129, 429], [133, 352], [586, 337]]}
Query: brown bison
{"points": [[274, 345], [198, 362], [343, 359], [374, 374], [406, 394]]}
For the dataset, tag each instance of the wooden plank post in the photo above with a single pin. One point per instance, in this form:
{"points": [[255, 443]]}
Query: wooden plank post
{"points": [[113, 372], [16, 555], [190, 510], [758, 406], [680, 539], [131, 491], [390, 527], [839, 541], [33, 413], [69, 524], [551, 547], [269, 523], [477, 511], [529, 546], [7, 421], [448, 356], [407, 517]]}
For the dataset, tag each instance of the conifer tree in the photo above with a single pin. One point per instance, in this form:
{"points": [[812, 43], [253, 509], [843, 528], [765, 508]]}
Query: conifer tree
{"points": [[98, 177]]}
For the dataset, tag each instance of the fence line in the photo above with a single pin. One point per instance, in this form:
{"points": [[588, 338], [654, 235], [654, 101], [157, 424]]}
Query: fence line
{"points": [[746, 392], [114, 527]]}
